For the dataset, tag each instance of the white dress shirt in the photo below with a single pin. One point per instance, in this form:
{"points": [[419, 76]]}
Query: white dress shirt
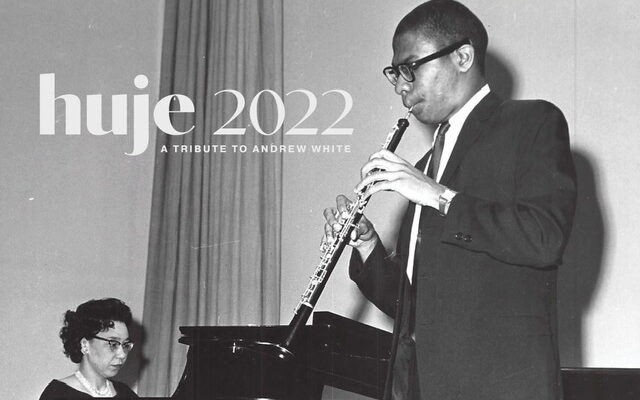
{"points": [[451, 137]]}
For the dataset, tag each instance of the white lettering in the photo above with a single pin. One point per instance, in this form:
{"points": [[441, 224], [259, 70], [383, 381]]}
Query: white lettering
{"points": [[48, 108], [162, 111]]}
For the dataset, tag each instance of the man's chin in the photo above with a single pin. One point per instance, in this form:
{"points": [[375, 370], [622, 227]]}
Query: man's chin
{"points": [[419, 113], [423, 115]]}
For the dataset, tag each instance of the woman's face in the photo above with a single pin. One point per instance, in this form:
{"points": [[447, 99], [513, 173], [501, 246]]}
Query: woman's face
{"points": [[104, 356]]}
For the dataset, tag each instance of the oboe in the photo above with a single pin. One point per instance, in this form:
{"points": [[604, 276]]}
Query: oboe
{"points": [[333, 250]]}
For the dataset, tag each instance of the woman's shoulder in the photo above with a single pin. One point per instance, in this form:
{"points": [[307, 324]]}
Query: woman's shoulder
{"points": [[124, 391], [57, 389]]}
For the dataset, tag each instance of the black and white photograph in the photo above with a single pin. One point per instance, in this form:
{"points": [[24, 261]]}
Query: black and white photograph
{"points": [[320, 199]]}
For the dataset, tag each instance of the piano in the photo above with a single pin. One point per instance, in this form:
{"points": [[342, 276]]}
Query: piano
{"points": [[247, 362]]}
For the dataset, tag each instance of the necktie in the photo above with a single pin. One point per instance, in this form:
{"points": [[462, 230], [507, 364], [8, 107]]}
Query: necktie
{"points": [[432, 172], [438, 145]]}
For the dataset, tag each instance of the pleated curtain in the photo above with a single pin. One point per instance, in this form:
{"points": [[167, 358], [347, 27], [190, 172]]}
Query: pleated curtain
{"points": [[214, 247]]}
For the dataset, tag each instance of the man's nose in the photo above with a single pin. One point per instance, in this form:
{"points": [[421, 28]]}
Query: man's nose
{"points": [[402, 86]]}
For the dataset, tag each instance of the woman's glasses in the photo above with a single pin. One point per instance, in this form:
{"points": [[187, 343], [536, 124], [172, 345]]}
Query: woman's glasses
{"points": [[127, 345]]}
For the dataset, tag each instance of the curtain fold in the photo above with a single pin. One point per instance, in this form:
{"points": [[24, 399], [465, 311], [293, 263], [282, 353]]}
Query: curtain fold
{"points": [[214, 244]]}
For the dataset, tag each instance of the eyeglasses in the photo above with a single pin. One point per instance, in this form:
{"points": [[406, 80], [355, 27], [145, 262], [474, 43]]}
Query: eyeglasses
{"points": [[406, 69], [114, 344]]}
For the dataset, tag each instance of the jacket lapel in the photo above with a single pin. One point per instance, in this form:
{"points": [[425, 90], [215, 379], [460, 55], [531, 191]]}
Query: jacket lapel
{"points": [[422, 163], [475, 126]]}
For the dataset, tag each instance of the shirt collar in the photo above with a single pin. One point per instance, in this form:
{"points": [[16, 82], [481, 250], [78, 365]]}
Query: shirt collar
{"points": [[461, 115]]}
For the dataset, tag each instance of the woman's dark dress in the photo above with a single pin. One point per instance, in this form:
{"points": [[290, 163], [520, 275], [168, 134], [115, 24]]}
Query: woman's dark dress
{"points": [[57, 390]]}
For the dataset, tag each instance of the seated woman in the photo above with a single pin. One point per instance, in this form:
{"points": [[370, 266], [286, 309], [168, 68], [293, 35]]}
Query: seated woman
{"points": [[96, 337]]}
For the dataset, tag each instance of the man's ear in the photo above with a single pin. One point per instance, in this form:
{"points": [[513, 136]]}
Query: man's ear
{"points": [[465, 56]]}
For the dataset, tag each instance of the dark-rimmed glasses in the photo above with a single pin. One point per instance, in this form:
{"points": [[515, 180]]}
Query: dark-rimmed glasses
{"points": [[127, 345], [406, 69]]}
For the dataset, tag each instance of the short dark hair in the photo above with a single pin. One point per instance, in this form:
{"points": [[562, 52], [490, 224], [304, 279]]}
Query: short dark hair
{"points": [[446, 22], [90, 318]]}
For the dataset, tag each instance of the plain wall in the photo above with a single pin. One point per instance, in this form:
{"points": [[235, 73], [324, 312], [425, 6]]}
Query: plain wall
{"points": [[571, 53], [74, 211]]}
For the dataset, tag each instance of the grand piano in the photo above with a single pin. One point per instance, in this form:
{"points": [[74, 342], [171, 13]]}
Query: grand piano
{"points": [[244, 362], [247, 362]]}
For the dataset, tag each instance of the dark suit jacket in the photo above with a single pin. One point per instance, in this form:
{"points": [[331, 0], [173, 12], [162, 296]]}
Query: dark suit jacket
{"points": [[483, 303]]}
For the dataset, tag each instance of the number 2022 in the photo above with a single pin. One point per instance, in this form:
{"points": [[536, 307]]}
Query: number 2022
{"points": [[313, 103]]}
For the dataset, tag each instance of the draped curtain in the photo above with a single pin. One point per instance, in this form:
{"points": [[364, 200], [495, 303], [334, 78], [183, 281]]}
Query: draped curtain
{"points": [[214, 246]]}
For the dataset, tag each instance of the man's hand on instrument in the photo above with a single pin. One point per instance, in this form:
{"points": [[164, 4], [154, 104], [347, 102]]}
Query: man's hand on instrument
{"points": [[363, 237], [387, 171]]}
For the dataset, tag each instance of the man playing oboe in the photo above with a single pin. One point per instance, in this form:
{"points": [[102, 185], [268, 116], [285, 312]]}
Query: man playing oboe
{"points": [[472, 283]]}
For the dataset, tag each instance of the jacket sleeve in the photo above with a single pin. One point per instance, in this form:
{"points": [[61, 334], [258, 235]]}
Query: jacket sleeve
{"points": [[534, 227], [378, 277]]}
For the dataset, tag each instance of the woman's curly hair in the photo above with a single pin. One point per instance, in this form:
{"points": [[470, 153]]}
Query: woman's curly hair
{"points": [[90, 318]]}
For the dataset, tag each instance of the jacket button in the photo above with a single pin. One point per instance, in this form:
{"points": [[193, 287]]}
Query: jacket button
{"points": [[468, 238], [459, 236]]}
